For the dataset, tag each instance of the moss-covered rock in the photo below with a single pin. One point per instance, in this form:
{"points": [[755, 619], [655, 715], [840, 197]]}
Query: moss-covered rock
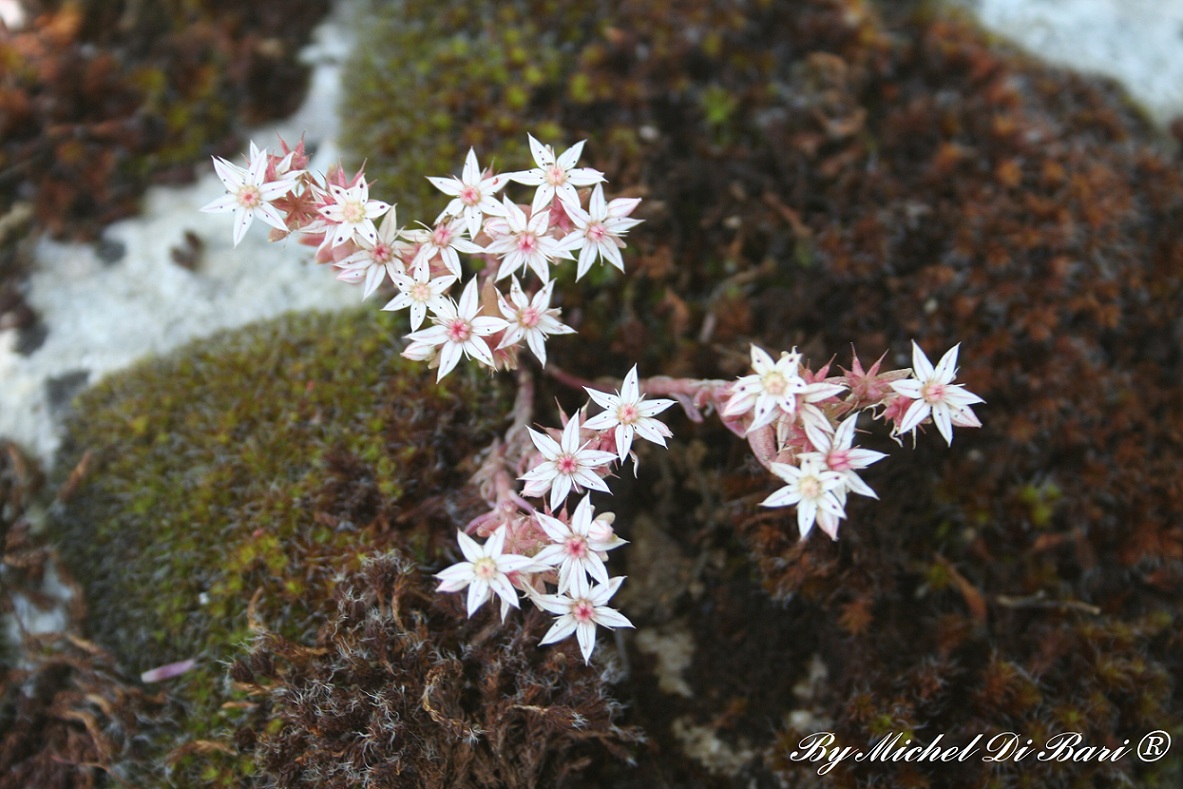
{"points": [[234, 481]]}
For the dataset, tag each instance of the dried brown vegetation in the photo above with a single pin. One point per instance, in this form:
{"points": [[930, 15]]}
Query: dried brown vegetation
{"points": [[68, 715], [100, 98], [401, 689]]}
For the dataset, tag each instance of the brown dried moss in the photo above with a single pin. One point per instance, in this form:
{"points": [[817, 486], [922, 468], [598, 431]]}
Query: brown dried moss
{"points": [[100, 98], [401, 689], [68, 716]]}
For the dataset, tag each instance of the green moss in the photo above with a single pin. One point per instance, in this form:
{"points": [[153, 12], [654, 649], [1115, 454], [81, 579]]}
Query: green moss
{"points": [[433, 78], [650, 85], [1040, 501], [243, 475]]}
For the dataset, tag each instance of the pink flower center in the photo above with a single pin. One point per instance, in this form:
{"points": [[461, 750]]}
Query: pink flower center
{"points": [[527, 241], [441, 236], [249, 196], [566, 464], [576, 547], [484, 568], [839, 460], [583, 610], [469, 195], [528, 317], [933, 393], [628, 414], [556, 176], [459, 331], [382, 253], [596, 232]]}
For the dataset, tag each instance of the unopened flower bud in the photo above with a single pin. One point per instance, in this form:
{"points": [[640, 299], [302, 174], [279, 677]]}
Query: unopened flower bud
{"points": [[601, 528], [419, 352]]}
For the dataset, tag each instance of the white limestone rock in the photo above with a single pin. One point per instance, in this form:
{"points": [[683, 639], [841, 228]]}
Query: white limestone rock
{"points": [[1139, 43]]}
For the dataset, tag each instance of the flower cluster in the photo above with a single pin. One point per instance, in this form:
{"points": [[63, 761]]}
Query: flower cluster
{"points": [[552, 555], [509, 241], [531, 549], [572, 559], [801, 424]]}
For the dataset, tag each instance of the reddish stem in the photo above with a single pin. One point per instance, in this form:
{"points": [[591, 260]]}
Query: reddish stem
{"points": [[571, 381], [495, 478]]}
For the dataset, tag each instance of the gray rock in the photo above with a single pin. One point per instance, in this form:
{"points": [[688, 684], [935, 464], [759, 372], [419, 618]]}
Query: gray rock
{"points": [[101, 307], [1139, 43]]}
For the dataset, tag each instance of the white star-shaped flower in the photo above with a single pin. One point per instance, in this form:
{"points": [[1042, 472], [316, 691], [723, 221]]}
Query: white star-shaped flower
{"points": [[420, 292], [576, 552], [250, 195], [935, 395], [532, 319], [353, 213], [814, 490], [485, 572], [581, 614], [458, 330], [836, 454], [556, 177], [472, 195], [568, 465], [374, 262], [526, 242], [773, 389], [600, 229], [445, 239], [628, 412]]}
